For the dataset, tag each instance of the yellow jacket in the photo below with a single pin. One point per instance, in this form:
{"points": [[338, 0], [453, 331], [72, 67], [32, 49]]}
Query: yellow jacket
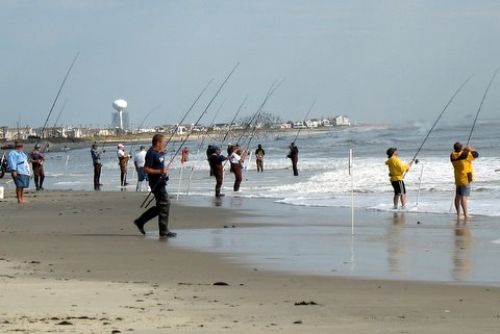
{"points": [[462, 165], [397, 168]]}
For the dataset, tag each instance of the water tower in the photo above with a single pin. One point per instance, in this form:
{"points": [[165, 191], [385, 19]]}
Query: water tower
{"points": [[120, 105]]}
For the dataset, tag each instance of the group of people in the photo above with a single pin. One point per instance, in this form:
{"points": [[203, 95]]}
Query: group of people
{"points": [[461, 158], [21, 171]]}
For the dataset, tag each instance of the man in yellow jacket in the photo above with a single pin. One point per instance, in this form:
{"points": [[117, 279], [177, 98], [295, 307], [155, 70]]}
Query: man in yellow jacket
{"points": [[461, 159], [397, 171]]}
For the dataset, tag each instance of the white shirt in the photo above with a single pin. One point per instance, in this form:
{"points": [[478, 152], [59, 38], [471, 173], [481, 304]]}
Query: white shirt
{"points": [[140, 158], [234, 158], [120, 153]]}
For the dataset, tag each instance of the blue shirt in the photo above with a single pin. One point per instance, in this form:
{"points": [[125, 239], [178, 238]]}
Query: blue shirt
{"points": [[96, 156], [155, 160], [18, 162]]}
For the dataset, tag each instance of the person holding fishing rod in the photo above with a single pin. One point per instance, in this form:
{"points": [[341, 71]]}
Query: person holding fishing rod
{"points": [[157, 172], [95, 153], [461, 158], [293, 155], [397, 172], [20, 170], [216, 160], [237, 159], [123, 158]]}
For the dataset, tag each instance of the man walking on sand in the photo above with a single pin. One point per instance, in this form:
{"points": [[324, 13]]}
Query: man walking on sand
{"points": [[20, 169], [157, 172], [461, 159], [397, 171]]}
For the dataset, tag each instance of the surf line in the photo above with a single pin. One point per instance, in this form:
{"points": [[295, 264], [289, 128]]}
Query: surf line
{"points": [[145, 203]]}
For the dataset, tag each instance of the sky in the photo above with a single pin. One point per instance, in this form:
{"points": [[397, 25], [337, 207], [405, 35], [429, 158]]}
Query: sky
{"points": [[390, 62]]}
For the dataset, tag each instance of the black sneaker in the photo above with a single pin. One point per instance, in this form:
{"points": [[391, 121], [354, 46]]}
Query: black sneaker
{"points": [[140, 227], [168, 235]]}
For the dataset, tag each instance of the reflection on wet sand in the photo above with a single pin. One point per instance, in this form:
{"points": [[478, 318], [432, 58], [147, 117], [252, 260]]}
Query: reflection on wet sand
{"points": [[462, 257], [395, 242]]}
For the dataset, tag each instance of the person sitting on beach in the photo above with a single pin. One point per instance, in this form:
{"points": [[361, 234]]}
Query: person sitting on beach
{"points": [[139, 161], [294, 156], [37, 159], [461, 159], [123, 159], [259, 158], [20, 170], [216, 160], [96, 161], [237, 159], [154, 166], [397, 171]]}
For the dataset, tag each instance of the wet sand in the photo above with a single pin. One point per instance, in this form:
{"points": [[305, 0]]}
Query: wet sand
{"points": [[73, 262]]}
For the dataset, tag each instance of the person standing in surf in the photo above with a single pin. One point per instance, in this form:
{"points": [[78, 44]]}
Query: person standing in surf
{"points": [[96, 161], [123, 159], [37, 159], [216, 160], [461, 158], [157, 172], [294, 156], [139, 161], [397, 171], [20, 170], [259, 158], [237, 159]]}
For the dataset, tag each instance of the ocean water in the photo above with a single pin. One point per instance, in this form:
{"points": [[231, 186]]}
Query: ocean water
{"points": [[324, 179]]}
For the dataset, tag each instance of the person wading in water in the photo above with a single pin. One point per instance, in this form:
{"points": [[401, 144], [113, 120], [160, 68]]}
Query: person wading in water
{"points": [[461, 159], [216, 160], [259, 158], [397, 171], [294, 156]]}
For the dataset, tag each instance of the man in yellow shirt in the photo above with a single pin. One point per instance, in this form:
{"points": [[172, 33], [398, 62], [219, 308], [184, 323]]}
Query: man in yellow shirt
{"points": [[461, 159], [397, 171]]}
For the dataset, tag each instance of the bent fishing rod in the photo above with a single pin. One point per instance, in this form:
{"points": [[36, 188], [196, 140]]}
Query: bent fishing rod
{"points": [[240, 107], [59, 93], [305, 119], [189, 134], [440, 116], [259, 111], [481, 105]]}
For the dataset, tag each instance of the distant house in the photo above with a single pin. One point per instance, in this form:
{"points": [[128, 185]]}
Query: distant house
{"points": [[326, 122], [312, 123], [298, 125], [341, 121]]}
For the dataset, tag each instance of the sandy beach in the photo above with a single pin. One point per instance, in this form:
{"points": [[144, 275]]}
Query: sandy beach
{"points": [[72, 262]]}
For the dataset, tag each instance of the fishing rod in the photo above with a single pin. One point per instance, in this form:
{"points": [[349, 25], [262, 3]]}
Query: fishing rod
{"points": [[270, 92], [188, 112], [481, 105], [189, 134], [441, 115], [305, 119], [60, 113], [59, 93], [240, 107]]}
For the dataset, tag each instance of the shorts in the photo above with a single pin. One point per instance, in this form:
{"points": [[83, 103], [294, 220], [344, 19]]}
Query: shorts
{"points": [[141, 175], [463, 190], [22, 181], [399, 187]]}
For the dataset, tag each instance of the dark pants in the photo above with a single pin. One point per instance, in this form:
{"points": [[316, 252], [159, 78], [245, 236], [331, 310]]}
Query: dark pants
{"points": [[39, 174], [218, 173], [238, 176], [294, 166], [161, 209], [260, 165], [97, 176]]}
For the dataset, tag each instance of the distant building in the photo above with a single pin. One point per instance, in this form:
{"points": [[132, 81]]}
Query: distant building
{"points": [[341, 121], [313, 123], [115, 120]]}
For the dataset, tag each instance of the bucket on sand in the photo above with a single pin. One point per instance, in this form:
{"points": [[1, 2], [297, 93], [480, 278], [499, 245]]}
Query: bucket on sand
{"points": [[1, 193]]}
